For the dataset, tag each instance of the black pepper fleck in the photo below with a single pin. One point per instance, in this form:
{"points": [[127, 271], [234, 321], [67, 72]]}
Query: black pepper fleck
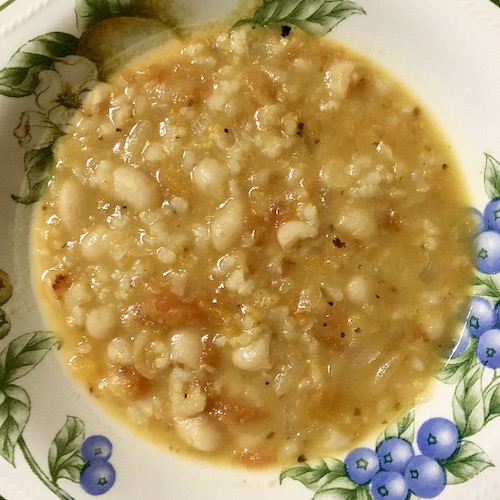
{"points": [[285, 31], [301, 458], [338, 242]]}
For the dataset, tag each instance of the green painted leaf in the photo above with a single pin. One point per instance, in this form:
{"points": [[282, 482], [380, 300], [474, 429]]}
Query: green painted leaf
{"points": [[5, 288], [23, 354], [19, 78], [5, 324], [404, 428], [492, 401], [316, 474], [492, 176], [65, 460], [455, 368], [467, 462], [34, 193], [486, 285], [317, 17], [339, 493], [14, 414], [6, 4], [468, 403], [89, 12], [38, 164]]}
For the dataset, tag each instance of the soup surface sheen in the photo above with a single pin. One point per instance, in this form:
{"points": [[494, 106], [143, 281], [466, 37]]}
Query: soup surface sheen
{"points": [[253, 247]]}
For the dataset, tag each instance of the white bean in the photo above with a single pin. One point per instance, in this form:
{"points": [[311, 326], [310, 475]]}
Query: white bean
{"points": [[433, 324], [77, 294], [136, 189], [358, 222], [254, 356], [95, 244], [179, 205], [199, 432], [227, 225], [187, 397], [236, 282], [166, 255], [291, 233], [120, 351], [72, 203], [357, 290], [100, 322], [155, 152], [151, 354], [338, 78], [210, 177], [186, 348]]}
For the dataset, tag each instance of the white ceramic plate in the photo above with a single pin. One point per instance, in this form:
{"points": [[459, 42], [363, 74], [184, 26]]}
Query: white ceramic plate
{"points": [[448, 53]]}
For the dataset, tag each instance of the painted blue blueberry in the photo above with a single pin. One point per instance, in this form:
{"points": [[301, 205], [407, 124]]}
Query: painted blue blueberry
{"points": [[389, 485], [438, 438], [488, 252], [425, 477], [481, 317], [497, 315], [362, 464], [478, 218], [96, 447], [461, 343], [394, 453], [97, 476], [488, 348], [491, 216]]}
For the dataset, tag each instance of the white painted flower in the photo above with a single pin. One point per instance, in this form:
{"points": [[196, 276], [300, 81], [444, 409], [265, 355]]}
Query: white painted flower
{"points": [[36, 131], [61, 90]]}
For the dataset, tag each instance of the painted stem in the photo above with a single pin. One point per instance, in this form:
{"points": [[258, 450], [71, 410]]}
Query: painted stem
{"points": [[39, 472], [6, 4], [493, 382]]}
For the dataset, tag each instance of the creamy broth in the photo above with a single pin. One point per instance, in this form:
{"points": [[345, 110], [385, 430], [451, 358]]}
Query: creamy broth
{"points": [[254, 247]]}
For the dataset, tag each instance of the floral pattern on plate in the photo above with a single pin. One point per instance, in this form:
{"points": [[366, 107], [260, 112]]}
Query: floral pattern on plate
{"points": [[70, 456]]}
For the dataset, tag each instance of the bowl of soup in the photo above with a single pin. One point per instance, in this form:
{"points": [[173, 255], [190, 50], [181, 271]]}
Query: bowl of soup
{"points": [[251, 249]]}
